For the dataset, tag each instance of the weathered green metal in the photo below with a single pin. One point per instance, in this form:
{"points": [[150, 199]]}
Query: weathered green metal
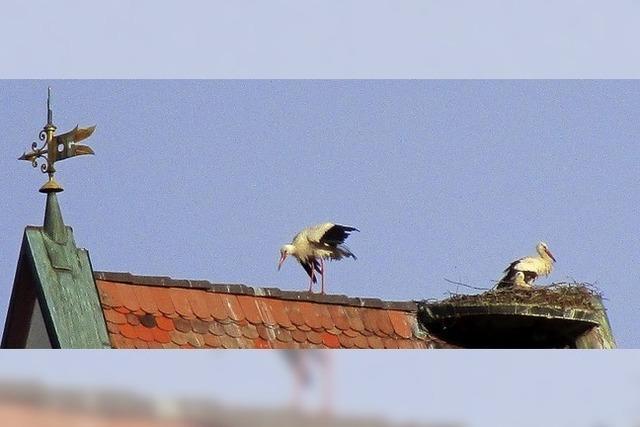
{"points": [[602, 335], [54, 279], [56, 148], [53, 224], [65, 285]]}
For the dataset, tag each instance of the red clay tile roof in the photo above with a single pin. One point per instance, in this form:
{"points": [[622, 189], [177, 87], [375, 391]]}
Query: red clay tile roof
{"points": [[15, 414], [159, 312]]}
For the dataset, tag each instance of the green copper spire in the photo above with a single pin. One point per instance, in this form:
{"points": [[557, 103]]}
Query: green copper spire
{"points": [[55, 275], [53, 222]]}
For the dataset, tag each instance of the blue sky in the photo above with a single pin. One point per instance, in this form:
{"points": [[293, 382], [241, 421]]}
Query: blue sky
{"points": [[445, 179], [321, 39]]}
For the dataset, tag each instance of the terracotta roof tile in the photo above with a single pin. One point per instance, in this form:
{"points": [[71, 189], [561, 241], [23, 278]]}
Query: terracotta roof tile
{"points": [[215, 305], [119, 341], [266, 333], [295, 314], [260, 343], [314, 337], [333, 331], [384, 323], [132, 319], [128, 331], [200, 326], [366, 333], [400, 324], [311, 315], [146, 298], [369, 318], [375, 342], [404, 344], [141, 344], [233, 306], [165, 323], [109, 294], [283, 345], [122, 309], [161, 336], [228, 342], [330, 340], [145, 314], [390, 343], [163, 301], [144, 333], [114, 316], [178, 337], [112, 328], [182, 325], [355, 321], [350, 333], [212, 341], [250, 308], [250, 331], [326, 322], [339, 317], [216, 329], [361, 342], [345, 341], [199, 306], [129, 298], [170, 345], [180, 300], [232, 330], [298, 335], [304, 328], [283, 335], [195, 339], [266, 312], [314, 346], [278, 310], [155, 345]]}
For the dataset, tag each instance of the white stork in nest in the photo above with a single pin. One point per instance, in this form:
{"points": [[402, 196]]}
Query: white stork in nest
{"points": [[522, 272], [518, 280], [314, 244]]}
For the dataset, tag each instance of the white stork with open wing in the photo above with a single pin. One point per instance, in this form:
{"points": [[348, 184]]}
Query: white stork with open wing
{"points": [[314, 244], [531, 267]]}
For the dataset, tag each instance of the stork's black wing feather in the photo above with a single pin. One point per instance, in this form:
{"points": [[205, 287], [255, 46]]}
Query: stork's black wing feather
{"points": [[511, 268], [337, 234], [309, 266]]}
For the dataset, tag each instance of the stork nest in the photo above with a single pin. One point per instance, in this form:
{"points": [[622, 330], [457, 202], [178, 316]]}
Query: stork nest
{"points": [[560, 294]]}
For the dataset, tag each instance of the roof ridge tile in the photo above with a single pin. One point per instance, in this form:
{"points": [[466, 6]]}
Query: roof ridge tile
{"points": [[242, 289]]}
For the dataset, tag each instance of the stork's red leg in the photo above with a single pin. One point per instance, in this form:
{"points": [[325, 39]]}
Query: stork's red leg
{"points": [[311, 282]]}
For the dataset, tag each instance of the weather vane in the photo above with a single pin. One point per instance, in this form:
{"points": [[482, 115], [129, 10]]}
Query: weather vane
{"points": [[55, 148]]}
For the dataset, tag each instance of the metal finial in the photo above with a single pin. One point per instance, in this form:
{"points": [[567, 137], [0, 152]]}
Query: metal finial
{"points": [[56, 147], [49, 112]]}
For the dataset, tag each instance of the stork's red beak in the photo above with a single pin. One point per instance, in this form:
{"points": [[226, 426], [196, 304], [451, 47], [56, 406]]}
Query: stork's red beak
{"points": [[282, 258]]}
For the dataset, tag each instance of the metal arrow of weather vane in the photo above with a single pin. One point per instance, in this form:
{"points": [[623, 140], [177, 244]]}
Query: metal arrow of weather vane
{"points": [[55, 148]]}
